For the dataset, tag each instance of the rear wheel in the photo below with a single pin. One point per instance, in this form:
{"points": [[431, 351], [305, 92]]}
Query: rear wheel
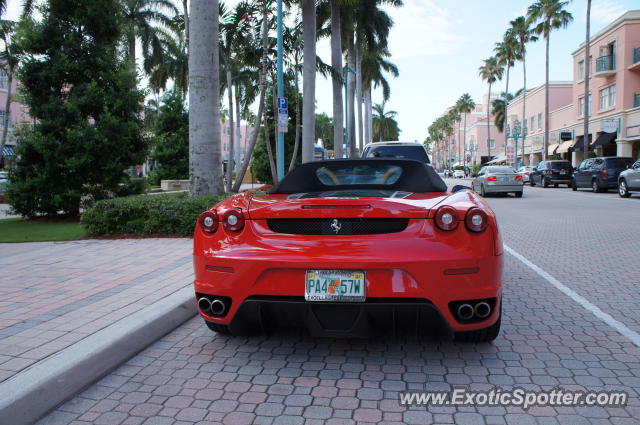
{"points": [[518, 194], [482, 191], [481, 335], [573, 185], [623, 189], [545, 184], [221, 329], [555, 185], [595, 186], [531, 182]]}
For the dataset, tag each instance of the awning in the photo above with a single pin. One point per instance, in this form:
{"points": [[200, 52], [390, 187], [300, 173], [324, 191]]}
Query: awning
{"points": [[565, 146], [552, 148], [580, 143], [8, 151], [604, 139]]}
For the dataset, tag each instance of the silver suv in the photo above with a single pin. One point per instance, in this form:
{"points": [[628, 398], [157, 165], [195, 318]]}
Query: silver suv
{"points": [[402, 150]]}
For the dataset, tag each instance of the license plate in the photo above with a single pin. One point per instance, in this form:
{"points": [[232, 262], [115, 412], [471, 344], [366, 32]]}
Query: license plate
{"points": [[505, 179], [563, 172], [335, 285]]}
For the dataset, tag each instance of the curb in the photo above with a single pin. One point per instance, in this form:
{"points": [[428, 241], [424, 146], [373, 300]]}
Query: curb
{"points": [[29, 395]]}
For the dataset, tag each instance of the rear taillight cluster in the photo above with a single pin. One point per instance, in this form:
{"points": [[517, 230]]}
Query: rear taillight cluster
{"points": [[519, 177], [492, 178], [232, 221], [549, 173], [447, 219], [604, 173]]}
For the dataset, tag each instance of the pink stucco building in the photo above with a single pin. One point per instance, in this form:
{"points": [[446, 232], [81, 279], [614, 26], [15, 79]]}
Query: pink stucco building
{"points": [[18, 113]]}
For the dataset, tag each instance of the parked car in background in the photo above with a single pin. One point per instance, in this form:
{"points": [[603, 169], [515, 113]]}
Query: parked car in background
{"points": [[525, 172], [400, 150], [4, 181], [497, 179], [551, 173], [599, 174], [629, 180], [458, 174]]}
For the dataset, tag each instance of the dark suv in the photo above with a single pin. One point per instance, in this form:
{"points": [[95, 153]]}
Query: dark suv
{"points": [[599, 174], [551, 172]]}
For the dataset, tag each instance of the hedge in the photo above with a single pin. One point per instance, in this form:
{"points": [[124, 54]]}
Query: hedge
{"points": [[162, 215]]}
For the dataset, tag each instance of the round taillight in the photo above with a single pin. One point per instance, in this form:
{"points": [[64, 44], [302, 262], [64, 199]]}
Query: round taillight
{"points": [[209, 221], [476, 220], [446, 218], [233, 220]]}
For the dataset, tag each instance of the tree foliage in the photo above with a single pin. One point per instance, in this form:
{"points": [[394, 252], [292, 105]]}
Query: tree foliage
{"points": [[86, 106]]}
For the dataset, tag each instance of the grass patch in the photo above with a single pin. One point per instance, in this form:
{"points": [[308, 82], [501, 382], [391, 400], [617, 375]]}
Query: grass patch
{"points": [[21, 230]]}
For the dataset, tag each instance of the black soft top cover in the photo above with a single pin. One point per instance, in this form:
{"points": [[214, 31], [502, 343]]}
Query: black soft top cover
{"points": [[416, 177]]}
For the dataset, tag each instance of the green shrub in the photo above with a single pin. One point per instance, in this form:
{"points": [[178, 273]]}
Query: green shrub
{"points": [[144, 215], [135, 186]]}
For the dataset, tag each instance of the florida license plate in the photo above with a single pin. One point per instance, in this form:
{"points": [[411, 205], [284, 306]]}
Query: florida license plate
{"points": [[335, 285]]}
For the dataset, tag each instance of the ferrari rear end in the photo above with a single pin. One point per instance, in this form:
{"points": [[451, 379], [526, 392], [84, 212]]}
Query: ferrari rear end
{"points": [[352, 257]]}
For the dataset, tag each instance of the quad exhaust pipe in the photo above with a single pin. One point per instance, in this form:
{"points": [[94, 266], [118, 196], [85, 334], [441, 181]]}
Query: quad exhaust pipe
{"points": [[483, 310], [465, 311], [215, 307]]}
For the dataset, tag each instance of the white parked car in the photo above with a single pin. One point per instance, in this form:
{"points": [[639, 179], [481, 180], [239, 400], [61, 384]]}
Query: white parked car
{"points": [[4, 180], [458, 174], [525, 172]]}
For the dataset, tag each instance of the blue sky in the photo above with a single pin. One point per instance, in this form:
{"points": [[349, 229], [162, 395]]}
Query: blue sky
{"points": [[438, 46]]}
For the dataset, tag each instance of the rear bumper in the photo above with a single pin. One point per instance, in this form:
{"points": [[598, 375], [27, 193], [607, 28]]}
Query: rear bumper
{"points": [[420, 265], [503, 188]]}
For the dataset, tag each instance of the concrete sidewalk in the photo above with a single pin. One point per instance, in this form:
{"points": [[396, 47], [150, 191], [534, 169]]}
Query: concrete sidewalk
{"points": [[54, 297]]}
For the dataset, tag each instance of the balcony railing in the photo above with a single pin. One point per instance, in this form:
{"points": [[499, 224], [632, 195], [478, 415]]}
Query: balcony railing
{"points": [[636, 100], [606, 63], [636, 55]]}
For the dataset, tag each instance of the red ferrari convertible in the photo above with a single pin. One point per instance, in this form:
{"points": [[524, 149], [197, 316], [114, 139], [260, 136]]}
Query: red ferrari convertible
{"points": [[352, 248]]}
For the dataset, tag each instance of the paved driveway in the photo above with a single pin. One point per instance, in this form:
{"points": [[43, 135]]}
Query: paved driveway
{"points": [[565, 265]]}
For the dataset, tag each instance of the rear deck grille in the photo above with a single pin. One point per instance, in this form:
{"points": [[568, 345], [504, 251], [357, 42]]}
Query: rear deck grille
{"points": [[344, 226]]}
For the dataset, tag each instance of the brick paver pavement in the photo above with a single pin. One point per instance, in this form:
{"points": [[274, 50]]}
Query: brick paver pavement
{"points": [[55, 294], [195, 376]]}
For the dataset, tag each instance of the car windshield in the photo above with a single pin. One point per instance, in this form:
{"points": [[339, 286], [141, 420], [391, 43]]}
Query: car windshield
{"points": [[560, 165], [619, 162], [500, 170], [398, 151], [341, 175]]}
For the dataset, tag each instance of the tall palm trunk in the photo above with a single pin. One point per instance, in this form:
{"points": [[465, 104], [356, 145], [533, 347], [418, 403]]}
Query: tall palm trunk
{"points": [[238, 143], [272, 163], [267, 141], [309, 80], [185, 9], [231, 151], [489, 123], [545, 145], [131, 41], [205, 171], [524, 105], [263, 93], [296, 143], [351, 91], [459, 144], [464, 142], [336, 63], [368, 107], [505, 121], [359, 96], [587, 69], [7, 112]]}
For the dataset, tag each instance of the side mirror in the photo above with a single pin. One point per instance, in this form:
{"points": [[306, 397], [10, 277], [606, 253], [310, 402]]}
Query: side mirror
{"points": [[459, 187]]}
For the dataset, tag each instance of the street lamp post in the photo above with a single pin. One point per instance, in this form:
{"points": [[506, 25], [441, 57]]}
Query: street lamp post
{"points": [[345, 77], [280, 147], [517, 128]]}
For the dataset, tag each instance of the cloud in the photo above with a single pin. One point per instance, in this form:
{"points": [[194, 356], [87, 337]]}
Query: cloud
{"points": [[424, 29], [606, 11]]}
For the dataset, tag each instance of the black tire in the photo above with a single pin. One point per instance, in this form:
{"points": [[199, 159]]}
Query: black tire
{"points": [[623, 189], [518, 194], [573, 185], [531, 182], [221, 329], [544, 182], [482, 191], [555, 185], [481, 335], [595, 186]]}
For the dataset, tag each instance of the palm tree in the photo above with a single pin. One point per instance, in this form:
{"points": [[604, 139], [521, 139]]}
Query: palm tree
{"points": [[490, 72], [498, 108], [523, 35], [385, 126], [147, 20], [551, 15], [10, 57], [375, 64], [308, 79], [234, 30], [465, 105], [174, 65], [205, 171], [455, 117], [336, 63], [507, 52], [587, 70]]}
